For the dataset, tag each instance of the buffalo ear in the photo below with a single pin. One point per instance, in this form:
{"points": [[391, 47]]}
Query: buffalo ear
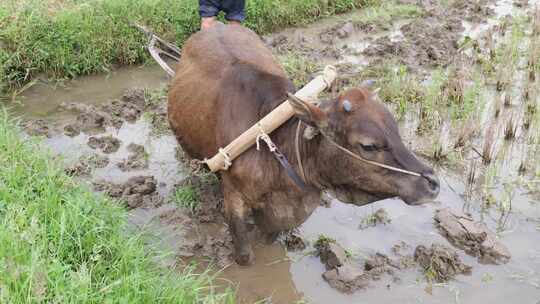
{"points": [[307, 112]]}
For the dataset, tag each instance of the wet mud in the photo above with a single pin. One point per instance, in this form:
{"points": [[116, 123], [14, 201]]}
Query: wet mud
{"points": [[137, 159], [107, 144], [473, 237], [348, 274], [440, 263], [137, 192]]}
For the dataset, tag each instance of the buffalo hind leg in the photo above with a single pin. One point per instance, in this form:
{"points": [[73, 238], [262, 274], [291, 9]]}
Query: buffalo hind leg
{"points": [[236, 213]]}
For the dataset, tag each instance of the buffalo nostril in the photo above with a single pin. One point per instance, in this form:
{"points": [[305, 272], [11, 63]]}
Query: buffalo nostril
{"points": [[433, 181]]}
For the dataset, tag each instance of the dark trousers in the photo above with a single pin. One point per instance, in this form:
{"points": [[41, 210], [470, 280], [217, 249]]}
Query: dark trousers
{"points": [[233, 9]]}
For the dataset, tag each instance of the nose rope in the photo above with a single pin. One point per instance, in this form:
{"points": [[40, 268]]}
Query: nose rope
{"points": [[347, 151], [374, 163]]}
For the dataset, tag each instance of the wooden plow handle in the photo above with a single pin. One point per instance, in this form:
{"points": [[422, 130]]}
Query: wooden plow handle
{"points": [[270, 122]]}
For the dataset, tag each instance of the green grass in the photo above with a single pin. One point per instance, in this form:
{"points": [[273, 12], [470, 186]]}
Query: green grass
{"points": [[299, 68], [383, 14], [67, 38], [61, 243], [187, 197], [398, 85]]}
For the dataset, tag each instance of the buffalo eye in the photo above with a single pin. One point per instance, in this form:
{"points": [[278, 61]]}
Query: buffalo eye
{"points": [[368, 148]]}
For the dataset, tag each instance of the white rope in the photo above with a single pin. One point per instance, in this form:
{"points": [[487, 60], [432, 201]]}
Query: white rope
{"points": [[329, 69], [264, 136], [226, 159]]}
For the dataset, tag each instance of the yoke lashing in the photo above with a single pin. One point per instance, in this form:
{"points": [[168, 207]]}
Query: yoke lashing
{"points": [[281, 158]]}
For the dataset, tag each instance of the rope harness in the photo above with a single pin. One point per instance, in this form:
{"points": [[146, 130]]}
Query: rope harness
{"points": [[300, 182]]}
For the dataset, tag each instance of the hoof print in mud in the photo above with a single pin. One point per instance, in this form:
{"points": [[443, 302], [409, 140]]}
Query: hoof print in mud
{"points": [[137, 159], [472, 237], [107, 144], [440, 263]]}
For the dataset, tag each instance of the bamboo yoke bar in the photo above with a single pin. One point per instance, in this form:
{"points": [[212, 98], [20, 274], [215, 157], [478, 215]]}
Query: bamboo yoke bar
{"points": [[274, 119]]}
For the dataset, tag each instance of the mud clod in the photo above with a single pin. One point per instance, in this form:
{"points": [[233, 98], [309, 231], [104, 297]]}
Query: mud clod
{"points": [[473, 237], [346, 30], [107, 144], [440, 263], [347, 275], [86, 164], [347, 278], [138, 191], [137, 160], [292, 241], [89, 119], [38, 127], [72, 130], [331, 253]]}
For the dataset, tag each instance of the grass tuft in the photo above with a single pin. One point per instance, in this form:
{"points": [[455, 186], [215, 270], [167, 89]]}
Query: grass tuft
{"points": [[187, 197]]}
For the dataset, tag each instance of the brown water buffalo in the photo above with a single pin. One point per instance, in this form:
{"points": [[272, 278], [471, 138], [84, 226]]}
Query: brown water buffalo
{"points": [[227, 80]]}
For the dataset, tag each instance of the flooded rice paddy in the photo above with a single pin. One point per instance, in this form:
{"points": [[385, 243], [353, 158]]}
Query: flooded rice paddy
{"points": [[494, 179]]}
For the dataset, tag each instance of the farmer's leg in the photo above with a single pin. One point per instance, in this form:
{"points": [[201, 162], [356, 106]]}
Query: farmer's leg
{"points": [[208, 10], [234, 10]]}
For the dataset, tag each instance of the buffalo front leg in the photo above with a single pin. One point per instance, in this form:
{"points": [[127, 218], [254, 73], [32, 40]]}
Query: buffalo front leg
{"points": [[236, 213]]}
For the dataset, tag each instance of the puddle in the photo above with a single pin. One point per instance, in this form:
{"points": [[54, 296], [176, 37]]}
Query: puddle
{"points": [[285, 277], [43, 98]]}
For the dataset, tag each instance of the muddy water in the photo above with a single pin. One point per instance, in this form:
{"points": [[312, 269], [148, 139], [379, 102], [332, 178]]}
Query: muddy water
{"points": [[93, 89], [287, 277]]}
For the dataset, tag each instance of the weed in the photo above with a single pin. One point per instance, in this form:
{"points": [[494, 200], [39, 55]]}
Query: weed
{"points": [[507, 99], [398, 86], [187, 197], [323, 241], [156, 96], [374, 218], [382, 15], [299, 68], [489, 145], [510, 128], [486, 278], [432, 93], [471, 176], [468, 131]]}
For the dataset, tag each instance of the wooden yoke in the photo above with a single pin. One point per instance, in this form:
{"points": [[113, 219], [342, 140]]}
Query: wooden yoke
{"points": [[270, 122]]}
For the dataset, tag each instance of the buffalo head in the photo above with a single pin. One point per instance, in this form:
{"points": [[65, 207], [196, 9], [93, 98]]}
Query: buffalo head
{"points": [[357, 121]]}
